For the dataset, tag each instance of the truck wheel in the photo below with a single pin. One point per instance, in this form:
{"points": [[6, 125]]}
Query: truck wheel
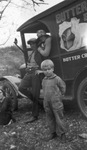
{"points": [[9, 90], [82, 97]]}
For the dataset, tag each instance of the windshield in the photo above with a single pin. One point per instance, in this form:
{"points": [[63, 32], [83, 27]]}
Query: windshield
{"points": [[29, 36]]}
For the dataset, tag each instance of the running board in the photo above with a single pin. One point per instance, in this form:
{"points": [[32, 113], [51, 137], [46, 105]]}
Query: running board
{"points": [[70, 98]]}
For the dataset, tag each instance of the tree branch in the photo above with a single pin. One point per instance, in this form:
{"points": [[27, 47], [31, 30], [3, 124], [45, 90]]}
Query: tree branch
{"points": [[1, 13], [38, 3], [34, 3], [19, 5], [3, 0]]}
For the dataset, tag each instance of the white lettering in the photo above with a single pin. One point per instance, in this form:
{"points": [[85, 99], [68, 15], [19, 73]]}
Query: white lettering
{"points": [[84, 55], [76, 57], [76, 10], [71, 58]]}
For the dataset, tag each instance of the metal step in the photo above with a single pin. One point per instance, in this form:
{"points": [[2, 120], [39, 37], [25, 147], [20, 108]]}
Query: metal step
{"points": [[70, 98]]}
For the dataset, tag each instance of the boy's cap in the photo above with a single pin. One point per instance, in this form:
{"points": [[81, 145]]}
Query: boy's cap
{"points": [[32, 40]]}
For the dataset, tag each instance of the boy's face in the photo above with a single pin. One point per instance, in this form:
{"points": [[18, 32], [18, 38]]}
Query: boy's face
{"points": [[48, 71], [1, 95]]}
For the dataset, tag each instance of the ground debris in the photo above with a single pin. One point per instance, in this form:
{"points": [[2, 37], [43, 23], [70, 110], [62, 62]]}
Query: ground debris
{"points": [[83, 135], [22, 136]]}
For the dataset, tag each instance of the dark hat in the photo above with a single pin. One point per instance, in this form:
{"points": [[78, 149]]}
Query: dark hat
{"points": [[32, 40]]}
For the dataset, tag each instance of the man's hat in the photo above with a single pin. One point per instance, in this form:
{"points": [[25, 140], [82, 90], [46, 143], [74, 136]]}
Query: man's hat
{"points": [[32, 40]]}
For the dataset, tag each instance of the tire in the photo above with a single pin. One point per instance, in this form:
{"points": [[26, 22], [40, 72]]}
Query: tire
{"points": [[9, 90], [82, 97]]}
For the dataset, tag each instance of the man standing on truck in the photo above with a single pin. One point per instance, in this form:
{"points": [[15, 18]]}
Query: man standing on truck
{"points": [[32, 77], [44, 43]]}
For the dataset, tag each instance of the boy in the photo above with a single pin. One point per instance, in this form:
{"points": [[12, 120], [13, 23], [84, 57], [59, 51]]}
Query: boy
{"points": [[53, 89]]}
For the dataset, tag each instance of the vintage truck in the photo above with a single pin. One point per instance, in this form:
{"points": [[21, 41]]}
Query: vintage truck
{"points": [[66, 22]]}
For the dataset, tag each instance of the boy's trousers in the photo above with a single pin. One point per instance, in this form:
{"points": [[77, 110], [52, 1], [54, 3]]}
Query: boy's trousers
{"points": [[54, 112]]}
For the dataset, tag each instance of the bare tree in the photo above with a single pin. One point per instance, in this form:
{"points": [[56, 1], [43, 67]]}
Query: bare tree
{"points": [[9, 3], [26, 3], [2, 11]]}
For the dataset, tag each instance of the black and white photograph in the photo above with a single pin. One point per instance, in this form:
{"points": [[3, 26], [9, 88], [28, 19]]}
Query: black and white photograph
{"points": [[43, 75]]}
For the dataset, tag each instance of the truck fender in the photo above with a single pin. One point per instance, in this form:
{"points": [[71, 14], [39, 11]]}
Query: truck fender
{"points": [[13, 81], [80, 76]]}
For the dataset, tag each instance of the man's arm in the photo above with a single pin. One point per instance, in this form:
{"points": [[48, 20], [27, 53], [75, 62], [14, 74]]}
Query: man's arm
{"points": [[47, 49]]}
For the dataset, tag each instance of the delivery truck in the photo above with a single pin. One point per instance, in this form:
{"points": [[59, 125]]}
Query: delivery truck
{"points": [[66, 22]]}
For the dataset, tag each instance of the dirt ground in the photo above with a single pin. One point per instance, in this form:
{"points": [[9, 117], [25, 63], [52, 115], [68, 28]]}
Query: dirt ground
{"points": [[22, 136]]}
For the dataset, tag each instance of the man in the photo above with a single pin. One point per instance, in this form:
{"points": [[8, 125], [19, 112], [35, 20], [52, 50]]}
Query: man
{"points": [[44, 43], [30, 80], [32, 77]]}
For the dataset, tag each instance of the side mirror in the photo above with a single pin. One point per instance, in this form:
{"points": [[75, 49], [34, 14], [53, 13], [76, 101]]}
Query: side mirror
{"points": [[15, 41]]}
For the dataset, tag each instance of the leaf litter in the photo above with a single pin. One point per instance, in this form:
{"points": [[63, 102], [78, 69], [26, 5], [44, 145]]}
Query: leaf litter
{"points": [[22, 136]]}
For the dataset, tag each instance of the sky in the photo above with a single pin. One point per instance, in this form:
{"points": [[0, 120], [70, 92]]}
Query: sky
{"points": [[14, 17], [44, 7]]}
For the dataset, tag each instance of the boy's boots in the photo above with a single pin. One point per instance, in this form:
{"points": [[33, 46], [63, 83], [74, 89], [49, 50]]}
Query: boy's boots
{"points": [[52, 136], [63, 138]]}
